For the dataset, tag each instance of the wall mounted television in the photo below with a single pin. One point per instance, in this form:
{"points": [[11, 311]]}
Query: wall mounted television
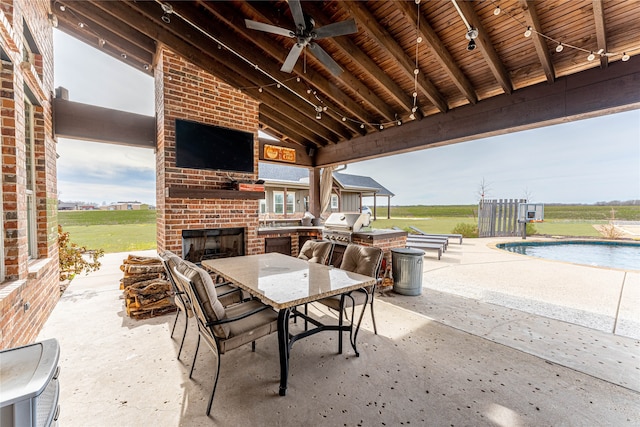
{"points": [[203, 146]]}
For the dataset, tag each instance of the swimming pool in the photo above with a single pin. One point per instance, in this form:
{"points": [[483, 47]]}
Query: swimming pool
{"points": [[624, 255]]}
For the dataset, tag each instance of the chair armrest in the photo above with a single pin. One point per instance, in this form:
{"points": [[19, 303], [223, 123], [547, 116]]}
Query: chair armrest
{"points": [[242, 316]]}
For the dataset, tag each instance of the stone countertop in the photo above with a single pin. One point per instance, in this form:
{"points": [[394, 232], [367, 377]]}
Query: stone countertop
{"points": [[291, 229], [379, 234]]}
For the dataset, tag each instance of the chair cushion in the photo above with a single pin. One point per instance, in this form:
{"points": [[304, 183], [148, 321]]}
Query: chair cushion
{"points": [[315, 251], [334, 301], [250, 328], [206, 291], [362, 260]]}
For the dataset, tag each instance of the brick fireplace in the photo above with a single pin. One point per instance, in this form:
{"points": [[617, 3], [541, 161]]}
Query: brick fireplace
{"points": [[193, 202]]}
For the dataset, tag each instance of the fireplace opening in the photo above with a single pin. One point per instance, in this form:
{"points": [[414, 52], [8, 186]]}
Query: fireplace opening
{"points": [[212, 243]]}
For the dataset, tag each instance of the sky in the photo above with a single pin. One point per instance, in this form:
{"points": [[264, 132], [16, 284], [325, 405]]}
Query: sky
{"points": [[586, 161]]}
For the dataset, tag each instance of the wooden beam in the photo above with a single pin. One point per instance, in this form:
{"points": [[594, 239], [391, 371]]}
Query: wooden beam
{"points": [[374, 74], [486, 47], [81, 121], [540, 43], [273, 116], [591, 93], [381, 36], [601, 31], [442, 55]]}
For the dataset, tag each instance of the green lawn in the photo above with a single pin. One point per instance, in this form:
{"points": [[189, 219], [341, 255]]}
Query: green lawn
{"points": [[122, 231], [114, 237]]}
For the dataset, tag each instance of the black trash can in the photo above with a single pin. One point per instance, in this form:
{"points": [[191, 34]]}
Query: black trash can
{"points": [[407, 270]]}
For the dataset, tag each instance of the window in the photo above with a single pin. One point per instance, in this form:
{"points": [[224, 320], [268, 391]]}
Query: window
{"points": [[278, 202], [334, 202], [30, 169], [263, 206]]}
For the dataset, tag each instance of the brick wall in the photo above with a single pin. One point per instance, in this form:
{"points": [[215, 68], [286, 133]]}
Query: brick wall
{"points": [[184, 91], [30, 288]]}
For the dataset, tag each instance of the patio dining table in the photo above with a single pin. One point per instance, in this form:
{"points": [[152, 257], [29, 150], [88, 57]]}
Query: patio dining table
{"points": [[284, 282]]}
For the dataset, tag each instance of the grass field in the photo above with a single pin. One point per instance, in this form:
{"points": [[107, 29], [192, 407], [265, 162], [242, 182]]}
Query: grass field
{"points": [[122, 231]]}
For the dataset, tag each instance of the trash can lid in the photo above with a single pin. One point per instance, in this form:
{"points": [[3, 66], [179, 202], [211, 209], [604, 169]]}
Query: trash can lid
{"points": [[408, 251]]}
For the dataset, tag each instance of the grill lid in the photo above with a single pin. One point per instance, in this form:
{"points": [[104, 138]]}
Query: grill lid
{"points": [[346, 221]]}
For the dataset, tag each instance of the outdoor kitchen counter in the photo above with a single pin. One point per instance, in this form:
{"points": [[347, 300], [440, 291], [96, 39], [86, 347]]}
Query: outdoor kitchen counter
{"points": [[376, 235], [288, 229]]}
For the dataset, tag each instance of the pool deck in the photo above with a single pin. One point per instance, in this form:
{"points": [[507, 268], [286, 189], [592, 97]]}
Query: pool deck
{"points": [[605, 299]]}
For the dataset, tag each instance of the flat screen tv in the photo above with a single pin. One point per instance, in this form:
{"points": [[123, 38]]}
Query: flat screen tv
{"points": [[202, 146]]}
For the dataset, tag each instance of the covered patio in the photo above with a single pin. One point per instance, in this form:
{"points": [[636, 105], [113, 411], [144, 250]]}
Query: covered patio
{"points": [[439, 358]]}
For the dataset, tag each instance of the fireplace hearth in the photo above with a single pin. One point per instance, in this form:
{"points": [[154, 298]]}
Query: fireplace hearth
{"points": [[212, 243]]}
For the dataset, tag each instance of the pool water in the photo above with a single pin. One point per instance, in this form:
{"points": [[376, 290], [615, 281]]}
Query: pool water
{"points": [[621, 255]]}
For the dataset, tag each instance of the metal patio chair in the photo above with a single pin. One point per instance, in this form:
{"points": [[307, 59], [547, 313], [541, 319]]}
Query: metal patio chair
{"points": [[223, 328]]}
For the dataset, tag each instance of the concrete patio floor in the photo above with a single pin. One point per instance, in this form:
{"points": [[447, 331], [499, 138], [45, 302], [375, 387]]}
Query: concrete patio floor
{"points": [[482, 345]]}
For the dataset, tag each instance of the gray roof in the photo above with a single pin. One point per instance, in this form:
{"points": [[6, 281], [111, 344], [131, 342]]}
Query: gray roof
{"points": [[273, 172], [348, 181]]}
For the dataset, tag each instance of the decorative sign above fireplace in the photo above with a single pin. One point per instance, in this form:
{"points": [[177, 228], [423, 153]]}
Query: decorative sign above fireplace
{"points": [[284, 154]]}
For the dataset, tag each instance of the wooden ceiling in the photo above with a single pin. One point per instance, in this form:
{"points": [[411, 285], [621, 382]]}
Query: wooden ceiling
{"points": [[364, 108]]}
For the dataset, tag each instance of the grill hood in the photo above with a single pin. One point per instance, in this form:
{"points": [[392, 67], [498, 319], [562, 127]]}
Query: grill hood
{"points": [[346, 221]]}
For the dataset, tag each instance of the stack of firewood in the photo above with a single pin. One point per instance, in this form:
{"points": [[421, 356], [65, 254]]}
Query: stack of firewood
{"points": [[147, 292]]}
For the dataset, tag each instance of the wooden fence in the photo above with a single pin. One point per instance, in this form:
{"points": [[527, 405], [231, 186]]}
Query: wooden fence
{"points": [[497, 218]]}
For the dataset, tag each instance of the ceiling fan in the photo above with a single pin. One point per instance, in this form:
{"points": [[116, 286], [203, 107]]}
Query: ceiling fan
{"points": [[306, 33]]}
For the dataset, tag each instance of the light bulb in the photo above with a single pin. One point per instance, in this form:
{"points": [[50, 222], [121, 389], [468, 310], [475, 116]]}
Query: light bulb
{"points": [[278, 85], [308, 90], [415, 94], [325, 108], [416, 71], [298, 79], [361, 125], [123, 55], [399, 123], [412, 116], [528, 32], [318, 115], [381, 127], [260, 89], [414, 109], [62, 8], [591, 57], [419, 39], [559, 48], [146, 66], [344, 119], [81, 24], [625, 57], [496, 11]]}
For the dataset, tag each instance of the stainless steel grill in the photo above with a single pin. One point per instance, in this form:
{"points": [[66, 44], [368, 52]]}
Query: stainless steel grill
{"points": [[339, 226]]}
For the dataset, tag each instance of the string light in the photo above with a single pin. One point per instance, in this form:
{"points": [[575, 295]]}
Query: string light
{"points": [[561, 45]]}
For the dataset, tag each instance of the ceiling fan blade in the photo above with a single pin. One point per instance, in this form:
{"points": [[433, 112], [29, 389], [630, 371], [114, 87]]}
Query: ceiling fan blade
{"points": [[326, 60], [296, 12], [292, 58], [336, 29], [261, 26]]}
